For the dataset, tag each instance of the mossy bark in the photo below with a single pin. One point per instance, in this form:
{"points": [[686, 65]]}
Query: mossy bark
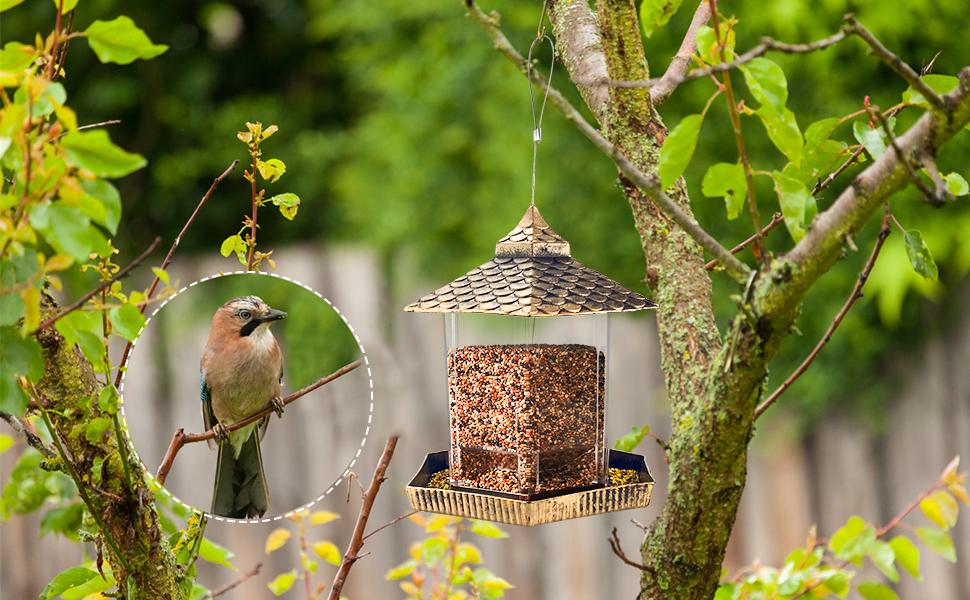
{"points": [[140, 557]]}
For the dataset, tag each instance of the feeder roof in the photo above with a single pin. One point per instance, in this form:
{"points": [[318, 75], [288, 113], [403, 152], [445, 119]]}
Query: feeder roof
{"points": [[532, 274]]}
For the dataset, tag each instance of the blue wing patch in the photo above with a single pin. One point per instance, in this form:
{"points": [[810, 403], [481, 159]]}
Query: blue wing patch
{"points": [[203, 388]]}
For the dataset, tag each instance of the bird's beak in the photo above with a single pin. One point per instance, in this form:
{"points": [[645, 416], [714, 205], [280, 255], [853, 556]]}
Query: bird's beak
{"points": [[273, 315]]}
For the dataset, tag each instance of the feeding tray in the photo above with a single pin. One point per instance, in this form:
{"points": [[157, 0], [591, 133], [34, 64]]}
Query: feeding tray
{"points": [[514, 511]]}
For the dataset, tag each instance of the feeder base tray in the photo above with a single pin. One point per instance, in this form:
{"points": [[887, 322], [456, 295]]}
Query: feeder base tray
{"points": [[569, 505]]}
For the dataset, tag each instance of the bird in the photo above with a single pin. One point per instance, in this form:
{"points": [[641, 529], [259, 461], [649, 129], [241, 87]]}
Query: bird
{"points": [[241, 372]]}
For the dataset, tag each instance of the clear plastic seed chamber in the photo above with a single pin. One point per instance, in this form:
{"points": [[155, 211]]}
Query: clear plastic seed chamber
{"points": [[527, 337]]}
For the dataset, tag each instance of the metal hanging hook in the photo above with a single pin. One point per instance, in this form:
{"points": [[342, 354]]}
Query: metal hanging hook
{"points": [[537, 118]]}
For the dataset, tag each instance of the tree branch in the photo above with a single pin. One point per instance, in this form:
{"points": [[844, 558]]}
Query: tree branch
{"points": [[650, 185], [581, 49], [393, 521], [674, 75], [855, 295], [776, 219], [236, 582], [168, 260], [26, 431], [357, 539], [932, 198], [180, 438], [614, 540], [103, 286]]}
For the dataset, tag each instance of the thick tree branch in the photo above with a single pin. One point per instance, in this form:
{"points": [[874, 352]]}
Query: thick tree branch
{"points": [[674, 75], [180, 438], [581, 49], [854, 295], [649, 184], [357, 539]]}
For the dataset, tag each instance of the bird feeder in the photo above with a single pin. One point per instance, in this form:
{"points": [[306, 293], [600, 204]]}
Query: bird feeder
{"points": [[527, 389]]}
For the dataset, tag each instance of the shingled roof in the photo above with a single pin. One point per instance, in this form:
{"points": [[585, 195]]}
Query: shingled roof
{"points": [[532, 274]]}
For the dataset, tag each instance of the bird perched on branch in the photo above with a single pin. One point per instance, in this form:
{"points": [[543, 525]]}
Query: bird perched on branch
{"points": [[242, 371]]}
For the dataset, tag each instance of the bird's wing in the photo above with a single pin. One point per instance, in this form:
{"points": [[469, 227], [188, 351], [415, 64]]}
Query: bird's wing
{"points": [[208, 417]]}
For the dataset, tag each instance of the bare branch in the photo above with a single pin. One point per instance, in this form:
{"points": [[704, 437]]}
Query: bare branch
{"points": [[677, 68], [181, 438], [851, 300], [614, 540], [357, 540], [931, 197], [895, 63], [104, 285], [393, 521], [236, 582], [776, 219], [650, 185], [168, 260], [24, 428]]}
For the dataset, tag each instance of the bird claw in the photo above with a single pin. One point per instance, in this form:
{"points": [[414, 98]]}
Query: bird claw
{"points": [[278, 405], [222, 435]]}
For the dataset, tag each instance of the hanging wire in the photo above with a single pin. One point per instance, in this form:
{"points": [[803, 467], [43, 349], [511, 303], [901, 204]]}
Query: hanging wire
{"points": [[537, 118]]}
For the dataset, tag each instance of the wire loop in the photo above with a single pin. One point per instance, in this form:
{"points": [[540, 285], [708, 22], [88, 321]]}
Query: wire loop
{"points": [[537, 118]]}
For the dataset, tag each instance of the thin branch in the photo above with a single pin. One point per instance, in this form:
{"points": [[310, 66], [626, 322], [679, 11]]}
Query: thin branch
{"points": [[23, 428], [649, 184], [614, 540], [181, 438], [103, 286], [776, 219], [168, 260], [677, 68], [853, 297], [393, 521], [219, 591], [931, 197], [940, 191], [357, 540], [895, 63], [93, 126]]}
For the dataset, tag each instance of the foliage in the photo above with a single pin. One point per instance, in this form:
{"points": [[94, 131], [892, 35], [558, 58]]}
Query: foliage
{"points": [[829, 568], [442, 567], [311, 553]]}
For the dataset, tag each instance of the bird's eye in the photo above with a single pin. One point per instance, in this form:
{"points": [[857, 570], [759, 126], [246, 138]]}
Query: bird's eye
{"points": [[245, 315]]}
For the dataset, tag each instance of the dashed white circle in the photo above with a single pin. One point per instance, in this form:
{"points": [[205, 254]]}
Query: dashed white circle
{"points": [[363, 440]]}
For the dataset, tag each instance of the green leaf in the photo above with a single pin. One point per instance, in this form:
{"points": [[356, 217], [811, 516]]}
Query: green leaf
{"points": [[95, 429], [212, 552], [94, 151], [108, 400], [276, 539], [6, 442], [726, 180], [282, 583], [21, 356], [65, 520], [8, 4], [873, 140], [109, 197], [271, 169], [83, 328], [15, 58], [126, 321], [919, 255], [631, 440], [876, 591], [401, 571], [66, 5], [288, 204], [11, 309], [797, 204], [820, 131], [51, 96], [161, 274], [678, 149], [938, 541], [433, 549], [767, 83], [12, 397], [234, 243], [95, 585], [486, 529], [941, 508], [884, 557], [327, 551], [120, 41], [65, 580], [941, 84], [907, 554], [852, 540], [783, 131], [956, 184], [654, 14], [68, 230]]}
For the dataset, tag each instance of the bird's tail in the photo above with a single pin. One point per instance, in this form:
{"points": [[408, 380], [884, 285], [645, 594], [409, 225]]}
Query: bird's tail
{"points": [[240, 487]]}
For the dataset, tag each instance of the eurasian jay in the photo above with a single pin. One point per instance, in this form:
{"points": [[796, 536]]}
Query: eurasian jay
{"points": [[242, 371]]}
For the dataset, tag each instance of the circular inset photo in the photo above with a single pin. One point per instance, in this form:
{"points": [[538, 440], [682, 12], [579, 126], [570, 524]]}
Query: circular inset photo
{"points": [[248, 395]]}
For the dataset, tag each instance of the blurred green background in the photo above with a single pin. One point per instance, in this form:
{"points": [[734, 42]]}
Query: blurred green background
{"points": [[403, 130]]}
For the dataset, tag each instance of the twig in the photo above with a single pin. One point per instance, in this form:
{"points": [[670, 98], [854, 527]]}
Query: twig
{"points": [[931, 197], [393, 521], [23, 428], [649, 184], [252, 232], [941, 191], [93, 126], [895, 63], [618, 550], [181, 438], [357, 540], [776, 219], [674, 74], [219, 591], [104, 285], [168, 260], [853, 297]]}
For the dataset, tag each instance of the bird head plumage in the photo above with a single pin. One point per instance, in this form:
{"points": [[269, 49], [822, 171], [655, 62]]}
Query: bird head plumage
{"points": [[243, 316]]}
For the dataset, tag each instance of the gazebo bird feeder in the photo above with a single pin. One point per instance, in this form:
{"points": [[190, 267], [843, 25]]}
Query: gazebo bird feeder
{"points": [[527, 391]]}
